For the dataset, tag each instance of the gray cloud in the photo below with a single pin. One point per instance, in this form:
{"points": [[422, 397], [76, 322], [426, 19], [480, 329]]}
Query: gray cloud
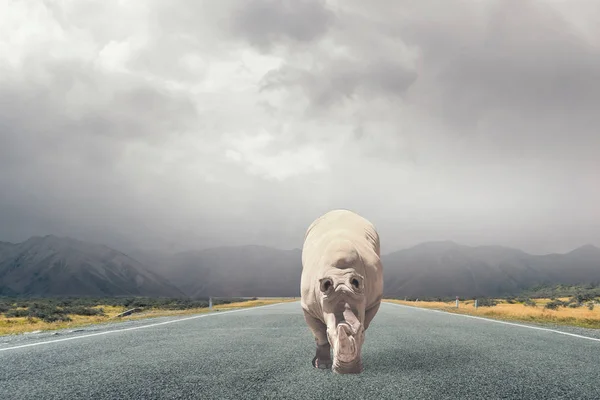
{"points": [[67, 110], [527, 60], [265, 23], [343, 79], [194, 124]]}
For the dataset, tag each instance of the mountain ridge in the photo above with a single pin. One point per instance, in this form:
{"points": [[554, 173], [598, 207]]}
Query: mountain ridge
{"points": [[426, 243], [62, 266], [434, 268]]}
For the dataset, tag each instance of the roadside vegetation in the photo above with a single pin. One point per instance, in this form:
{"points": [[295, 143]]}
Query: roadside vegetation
{"points": [[590, 290], [572, 305], [21, 315]]}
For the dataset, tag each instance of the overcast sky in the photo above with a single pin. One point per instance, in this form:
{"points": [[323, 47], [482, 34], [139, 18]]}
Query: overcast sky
{"points": [[188, 124]]}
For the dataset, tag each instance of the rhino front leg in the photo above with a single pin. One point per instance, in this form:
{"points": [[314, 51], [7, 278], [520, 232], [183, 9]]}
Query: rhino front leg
{"points": [[322, 359]]}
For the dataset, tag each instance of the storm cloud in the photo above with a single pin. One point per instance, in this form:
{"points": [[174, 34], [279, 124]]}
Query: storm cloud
{"points": [[190, 124]]}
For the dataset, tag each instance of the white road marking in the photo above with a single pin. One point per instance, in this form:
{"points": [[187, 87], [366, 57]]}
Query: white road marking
{"points": [[137, 327], [498, 322]]}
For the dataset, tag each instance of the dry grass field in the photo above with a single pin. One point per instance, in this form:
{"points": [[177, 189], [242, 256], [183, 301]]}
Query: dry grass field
{"points": [[581, 315], [575, 316], [19, 325]]}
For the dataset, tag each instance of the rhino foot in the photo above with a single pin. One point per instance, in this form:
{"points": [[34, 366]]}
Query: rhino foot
{"points": [[323, 359], [356, 368], [321, 364]]}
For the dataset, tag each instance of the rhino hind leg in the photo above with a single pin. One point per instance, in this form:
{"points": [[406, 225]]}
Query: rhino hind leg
{"points": [[322, 359]]}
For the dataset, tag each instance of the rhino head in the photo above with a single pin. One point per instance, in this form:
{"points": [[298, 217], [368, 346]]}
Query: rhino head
{"points": [[343, 302]]}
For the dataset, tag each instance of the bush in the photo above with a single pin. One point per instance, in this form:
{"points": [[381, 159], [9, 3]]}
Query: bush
{"points": [[529, 303], [65, 303], [583, 297], [16, 313], [486, 302], [80, 310], [47, 313], [553, 305], [55, 318], [43, 311], [59, 308]]}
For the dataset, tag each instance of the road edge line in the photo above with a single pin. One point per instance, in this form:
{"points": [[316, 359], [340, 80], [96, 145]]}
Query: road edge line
{"points": [[139, 327], [497, 321]]}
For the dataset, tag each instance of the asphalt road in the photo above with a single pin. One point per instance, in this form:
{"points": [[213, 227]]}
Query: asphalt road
{"points": [[265, 353]]}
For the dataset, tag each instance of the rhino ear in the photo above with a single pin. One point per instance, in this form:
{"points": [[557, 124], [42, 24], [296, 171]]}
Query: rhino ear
{"points": [[326, 285]]}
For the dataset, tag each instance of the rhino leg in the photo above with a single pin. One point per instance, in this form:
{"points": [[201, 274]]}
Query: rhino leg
{"points": [[369, 314], [322, 359]]}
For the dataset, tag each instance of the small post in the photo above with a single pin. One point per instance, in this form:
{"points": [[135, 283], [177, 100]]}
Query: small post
{"points": [[210, 306], [475, 303], [456, 301]]}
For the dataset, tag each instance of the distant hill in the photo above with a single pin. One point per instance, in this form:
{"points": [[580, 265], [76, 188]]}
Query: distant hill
{"points": [[55, 266], [446, 269], [245, 271], [5, 248], [432, 269], [60, 266]]}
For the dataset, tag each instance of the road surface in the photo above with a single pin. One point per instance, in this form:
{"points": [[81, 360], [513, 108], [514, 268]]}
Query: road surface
{"points": [[266, 353]]}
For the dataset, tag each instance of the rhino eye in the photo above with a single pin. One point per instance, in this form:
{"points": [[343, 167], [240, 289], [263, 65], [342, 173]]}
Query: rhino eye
{"points": [[326, 285], [355, 283]]}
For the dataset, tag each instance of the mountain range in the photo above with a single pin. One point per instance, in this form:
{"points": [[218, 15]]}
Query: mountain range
{"points": [[446, 269], [56, 266]]}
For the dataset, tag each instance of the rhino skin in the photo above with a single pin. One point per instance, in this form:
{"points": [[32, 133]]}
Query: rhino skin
{"points": [[341, 287]]}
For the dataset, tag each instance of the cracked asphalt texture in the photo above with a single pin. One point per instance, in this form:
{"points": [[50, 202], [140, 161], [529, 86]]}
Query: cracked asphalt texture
{"points": [[266, 353]]}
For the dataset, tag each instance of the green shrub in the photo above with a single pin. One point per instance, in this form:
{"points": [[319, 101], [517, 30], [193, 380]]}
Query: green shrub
{"points": [[553, 305], [16, 313], [529, 303], [486, 302], [55, 318], [80, 310], [49, 308]]}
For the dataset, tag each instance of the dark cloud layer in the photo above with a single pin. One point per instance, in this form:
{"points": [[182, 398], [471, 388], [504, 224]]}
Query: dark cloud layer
{"points": [[192, 124], [265, 23]]}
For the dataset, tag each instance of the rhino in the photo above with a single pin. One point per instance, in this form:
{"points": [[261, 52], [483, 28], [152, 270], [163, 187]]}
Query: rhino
{"points": [[341, 287]]}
